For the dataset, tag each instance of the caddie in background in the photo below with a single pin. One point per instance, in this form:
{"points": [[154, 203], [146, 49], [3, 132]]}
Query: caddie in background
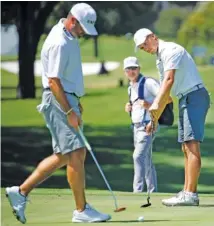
{"points": [[179, 74], [142, 91], [62, 80]]}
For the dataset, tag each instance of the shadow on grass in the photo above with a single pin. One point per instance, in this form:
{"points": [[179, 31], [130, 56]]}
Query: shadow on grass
{"points": [[119, 221], [146, 221], [24, 147], [206, 206], [124, 221]]}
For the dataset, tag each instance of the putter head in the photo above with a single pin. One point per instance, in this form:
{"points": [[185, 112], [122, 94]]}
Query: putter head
{"points": [[119, 209], [146, 205]]}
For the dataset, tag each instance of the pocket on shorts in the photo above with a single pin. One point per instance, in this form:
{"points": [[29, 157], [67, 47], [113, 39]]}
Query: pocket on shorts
{"points": [[141, 135]]}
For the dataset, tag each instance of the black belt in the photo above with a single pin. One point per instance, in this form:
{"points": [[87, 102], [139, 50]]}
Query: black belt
{"points": [[48, 89]]}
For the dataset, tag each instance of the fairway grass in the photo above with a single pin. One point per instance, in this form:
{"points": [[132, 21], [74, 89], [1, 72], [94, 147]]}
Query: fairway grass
{"points": [[55, 206]]}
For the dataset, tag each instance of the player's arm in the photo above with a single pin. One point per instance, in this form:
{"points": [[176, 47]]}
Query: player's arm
{"points": [[161, 100], [171, 60], [145, 104], [153, 87], [58, 57], [165, 86], [57, 90]]}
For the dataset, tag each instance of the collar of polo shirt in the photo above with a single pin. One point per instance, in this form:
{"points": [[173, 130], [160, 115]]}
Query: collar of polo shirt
{"points": [[160, 47], [67, 33]]}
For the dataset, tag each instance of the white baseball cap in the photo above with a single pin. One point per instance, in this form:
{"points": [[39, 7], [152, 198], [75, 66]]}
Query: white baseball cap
{"points": [[130, 62], [141, 35], [86, 16]]}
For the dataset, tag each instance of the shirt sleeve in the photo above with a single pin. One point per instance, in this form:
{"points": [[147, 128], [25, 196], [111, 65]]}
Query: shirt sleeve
{"points": [[173, 58], [153, 86], [57, 60]]}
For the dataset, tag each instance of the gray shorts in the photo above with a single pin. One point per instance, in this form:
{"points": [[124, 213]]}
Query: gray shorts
{"points": [[64, 137], [193, 109]]}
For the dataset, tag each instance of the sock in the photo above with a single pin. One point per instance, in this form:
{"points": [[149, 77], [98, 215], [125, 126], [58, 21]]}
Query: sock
{"points": [[21, 193], [191, 193]]}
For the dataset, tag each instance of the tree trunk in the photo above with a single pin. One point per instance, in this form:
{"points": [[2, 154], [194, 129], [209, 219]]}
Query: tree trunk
{"points": [[95, 46], [32, 21], [26, 87]]}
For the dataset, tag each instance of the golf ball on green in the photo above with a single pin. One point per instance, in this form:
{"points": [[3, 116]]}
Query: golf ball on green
{"points": [[141, 218]]}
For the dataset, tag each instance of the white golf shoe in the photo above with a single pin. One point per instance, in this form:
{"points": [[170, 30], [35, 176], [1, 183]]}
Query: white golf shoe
{"points": [[165, 201], [89, 214], [182, 199], [17, 202]]}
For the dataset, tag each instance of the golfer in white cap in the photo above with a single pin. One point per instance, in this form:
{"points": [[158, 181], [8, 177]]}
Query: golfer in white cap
{"points": [[178, 73], [62, 80], [144, 169]]}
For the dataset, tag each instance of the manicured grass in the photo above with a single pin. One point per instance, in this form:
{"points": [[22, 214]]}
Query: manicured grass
{"points": [[55, 206]]}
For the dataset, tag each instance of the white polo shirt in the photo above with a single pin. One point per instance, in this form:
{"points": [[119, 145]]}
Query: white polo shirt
{"points": [[151, 89], [60, 57], [173, 56]]}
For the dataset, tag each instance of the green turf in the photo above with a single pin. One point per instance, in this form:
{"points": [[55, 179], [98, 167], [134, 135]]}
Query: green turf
{"points": [[55, 206]]}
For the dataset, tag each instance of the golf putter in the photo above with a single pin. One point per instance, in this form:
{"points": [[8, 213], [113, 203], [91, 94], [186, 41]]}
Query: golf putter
{"points": [[117, 209], [148, 197], [150, 165]]}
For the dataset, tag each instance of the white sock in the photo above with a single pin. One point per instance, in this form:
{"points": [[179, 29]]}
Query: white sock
{"points": [[191, 193]]}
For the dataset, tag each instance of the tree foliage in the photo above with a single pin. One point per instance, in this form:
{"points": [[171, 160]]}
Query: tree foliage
{"points": [[114, 18], [199, 26], [170, 20]]}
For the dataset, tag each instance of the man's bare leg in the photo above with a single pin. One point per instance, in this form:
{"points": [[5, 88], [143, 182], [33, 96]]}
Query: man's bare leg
{"points": [[76, 177], [192, 162], [43, 171], [185, 167], [194, 165]]}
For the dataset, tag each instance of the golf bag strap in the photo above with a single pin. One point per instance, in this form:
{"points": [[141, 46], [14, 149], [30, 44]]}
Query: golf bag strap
{"points": [[141, 82]]}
